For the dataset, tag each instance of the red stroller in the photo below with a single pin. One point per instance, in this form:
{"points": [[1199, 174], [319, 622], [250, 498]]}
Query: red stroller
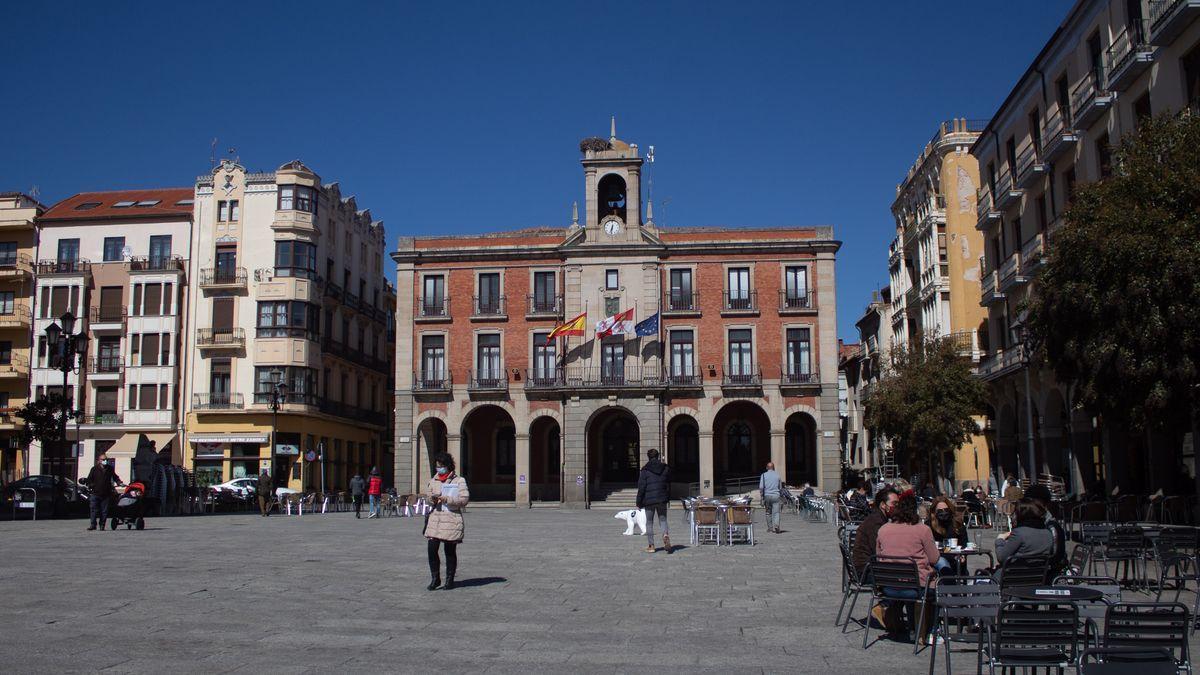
{"points": [[130, 509]]}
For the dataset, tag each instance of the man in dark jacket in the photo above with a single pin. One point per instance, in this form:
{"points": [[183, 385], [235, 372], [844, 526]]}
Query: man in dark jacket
{"points": [[357, 486], [100, 481], [867, 534], [653, 495], [266, 492]]}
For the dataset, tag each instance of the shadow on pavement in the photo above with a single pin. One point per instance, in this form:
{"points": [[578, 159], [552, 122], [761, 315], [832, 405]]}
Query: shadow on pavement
{"points": [[478, 581]]}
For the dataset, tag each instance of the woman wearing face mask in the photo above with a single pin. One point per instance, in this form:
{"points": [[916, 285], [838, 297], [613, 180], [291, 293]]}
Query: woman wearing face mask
{"points": [[444, 525], [946, 523]]}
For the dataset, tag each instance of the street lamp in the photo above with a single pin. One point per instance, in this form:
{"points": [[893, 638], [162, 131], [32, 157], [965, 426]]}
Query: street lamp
{"points": [[1020, 336], [278, 395], [66, 344]]}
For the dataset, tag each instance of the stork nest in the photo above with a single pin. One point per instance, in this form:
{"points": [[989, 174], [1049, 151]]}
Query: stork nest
{"points": [[595, 144]]}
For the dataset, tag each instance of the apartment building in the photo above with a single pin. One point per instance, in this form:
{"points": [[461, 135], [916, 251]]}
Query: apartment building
{"points": [[18, 238], [933, 263], [725, 356], [117, 262], [1108, 65], [863, 369], [291, 345]]}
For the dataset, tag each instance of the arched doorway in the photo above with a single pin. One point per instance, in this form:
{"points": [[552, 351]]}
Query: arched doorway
{"points": [[614, 447], [683, 449], [800, 449], [741, 444], [489, 454], [431, 440], [545, 460]]}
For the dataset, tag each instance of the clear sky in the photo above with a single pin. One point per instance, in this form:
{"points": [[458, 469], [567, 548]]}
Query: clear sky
{"points": [[458, 117]]}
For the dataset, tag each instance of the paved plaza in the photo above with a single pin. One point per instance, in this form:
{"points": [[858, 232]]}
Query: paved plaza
{"points": [[543, 590]]}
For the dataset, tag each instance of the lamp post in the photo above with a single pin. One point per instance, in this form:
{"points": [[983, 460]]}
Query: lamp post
{"points": [[66, 344], [278, 397], [1020, 336]]}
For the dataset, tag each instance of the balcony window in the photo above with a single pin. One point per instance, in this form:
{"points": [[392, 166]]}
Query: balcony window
{"points": [[7, 302], [795, 287], [545, 358], [8, 254], [681, 293], [160, 251], [6, 352], [612, 280], [295, 259], [799, 352], [488, 357], [68, 251], [288, 318], [113, 249], [488, 300], [683, 355], [433, 358], [297, 198], [226, 259], [741, 352], [545, 292], [612, 360]]}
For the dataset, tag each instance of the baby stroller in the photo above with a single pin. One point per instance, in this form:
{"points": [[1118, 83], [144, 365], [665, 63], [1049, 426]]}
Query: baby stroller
{"points": [[130, 509]]}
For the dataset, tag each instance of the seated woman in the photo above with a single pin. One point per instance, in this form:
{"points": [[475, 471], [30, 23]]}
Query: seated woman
{"points": [[907, 538], [1029, 537], [946, 523]]}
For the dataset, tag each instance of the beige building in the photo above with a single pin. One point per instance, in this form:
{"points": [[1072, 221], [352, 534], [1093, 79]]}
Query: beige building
{"points": [[1109, 64], [863, 368], [291, 331], [933, 263], [18, 237]]}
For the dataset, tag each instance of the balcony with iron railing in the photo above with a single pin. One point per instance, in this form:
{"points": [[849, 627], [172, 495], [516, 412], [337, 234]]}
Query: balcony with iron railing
{"points": [[1129, 55], [218, 400], [106, 366], [739, 302], [110, 417], [683, 378], [617, 376], [78, 266], [333, 290], [348, 353], [1031, 253], [155, 263], [966, 343], [1089, 99], [107, 318], [432, 381], [985, 209], [16, 366], [217, 278], [1169, 18], [1059, 135], [799, 376], [1001, 362], [543, 378], [680, 302], [543, 305], [488, 307], [1030, 166], [895, 251], [15, 266], [351, 412], [290, 398], [1007, 193], [350, 300], [741, 376], [17, 316], [1011, 275], [990, 289], [488, 380], [221, 338], [797, 301], [433, 309]]}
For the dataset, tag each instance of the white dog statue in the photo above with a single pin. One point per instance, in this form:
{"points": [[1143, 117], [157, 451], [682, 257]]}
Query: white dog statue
{"points": [[630, 517]]}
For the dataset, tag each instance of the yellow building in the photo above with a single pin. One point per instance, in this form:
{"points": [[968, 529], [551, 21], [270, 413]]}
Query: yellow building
{"points": [[933, 263], [17, 241]]}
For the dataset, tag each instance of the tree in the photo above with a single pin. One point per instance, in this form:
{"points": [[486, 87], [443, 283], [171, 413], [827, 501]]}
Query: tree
{"points": [[1115, 310], [927, 400], [43, 419]]}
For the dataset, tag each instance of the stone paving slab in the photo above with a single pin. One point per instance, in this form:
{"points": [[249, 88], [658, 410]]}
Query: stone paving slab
{"points": [[545, 591]]}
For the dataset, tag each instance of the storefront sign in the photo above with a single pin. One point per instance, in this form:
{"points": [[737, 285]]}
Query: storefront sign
{"points": [[287, 449], [228, 438]]}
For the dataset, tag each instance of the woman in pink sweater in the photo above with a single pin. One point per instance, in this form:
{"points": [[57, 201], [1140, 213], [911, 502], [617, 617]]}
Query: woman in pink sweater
{"points": [[907, 538]]}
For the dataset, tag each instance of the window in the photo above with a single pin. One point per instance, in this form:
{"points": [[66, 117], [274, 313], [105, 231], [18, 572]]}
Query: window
{"points": [[153, 299], [545, 361], [1063, 93], [68, 250], [7, 300], [738, 289], [741, 354], [219, 381], [301, 383], [1042, 213], [612, 361], [799, 353], [111, 303], [488, 358], [8, 254], [1035, 132], [226, 261], [146, 203], [433, 359], [1096, 60], [680, 295], [87, 206], [160, 250], [1103, 157], [147, 396], [227, 211], [6, 352], [297, 198], [795, 280], [683, 356], [433, 296], [1141, 109], [295, 259], [488, 301], [113, 249], [1010, 154], [288, 318], [1068, 186], [544, 292], [149, 349], [1191, 79], [612, 280]]}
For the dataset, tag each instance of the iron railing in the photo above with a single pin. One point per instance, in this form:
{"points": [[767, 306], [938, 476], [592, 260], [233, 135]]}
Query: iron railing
{"points": [[107, 314], [544, 305], [489, 379], [741, 301], [104, 418], [431, 381], [221, 337], [489, 305], [681, 301], [215, 276], [796, 300], [51, 267], [155, 263], [741, 376], [683, 380], [289, 398], [610, 377], [798, 376], [107, 364], [218, 400], [433, 307], [543, 378]]}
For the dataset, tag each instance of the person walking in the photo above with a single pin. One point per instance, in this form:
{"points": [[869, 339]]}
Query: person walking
{"points": [[653, 495], [768, 486], [100, 480], [444, 526], [266, 492], [374, 489], [357, 487]]}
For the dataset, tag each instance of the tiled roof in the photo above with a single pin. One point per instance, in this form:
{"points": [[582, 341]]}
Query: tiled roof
{"points": [[78, 207]]}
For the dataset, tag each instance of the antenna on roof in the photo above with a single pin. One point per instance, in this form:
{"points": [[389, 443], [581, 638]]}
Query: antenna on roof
{"points": [[650, 188], [35, 192], [212, 154], [232, 152]]}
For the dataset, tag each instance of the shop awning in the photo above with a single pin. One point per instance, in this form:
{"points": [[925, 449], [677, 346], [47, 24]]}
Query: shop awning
{"points": [[161, 440], [126, 446]]}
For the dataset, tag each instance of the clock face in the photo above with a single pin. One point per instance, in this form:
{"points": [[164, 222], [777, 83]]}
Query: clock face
{"points": [[612, 227]]}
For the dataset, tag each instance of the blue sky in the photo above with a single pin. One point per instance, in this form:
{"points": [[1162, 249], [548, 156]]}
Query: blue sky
{"points": [[465, 117]]}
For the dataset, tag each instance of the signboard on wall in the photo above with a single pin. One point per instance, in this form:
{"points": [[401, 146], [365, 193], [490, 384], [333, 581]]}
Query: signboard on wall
{"points": [[287, 449]]}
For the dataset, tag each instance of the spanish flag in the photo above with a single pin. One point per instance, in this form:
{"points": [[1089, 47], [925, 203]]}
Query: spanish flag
{"points": [[576, 326]]}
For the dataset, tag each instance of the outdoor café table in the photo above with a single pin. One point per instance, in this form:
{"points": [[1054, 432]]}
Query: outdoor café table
{"points": [[963, 555], [1054, 593]]}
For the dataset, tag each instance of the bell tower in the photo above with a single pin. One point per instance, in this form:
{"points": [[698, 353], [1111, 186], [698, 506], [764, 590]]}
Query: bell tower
{"points": [[612, 173]]}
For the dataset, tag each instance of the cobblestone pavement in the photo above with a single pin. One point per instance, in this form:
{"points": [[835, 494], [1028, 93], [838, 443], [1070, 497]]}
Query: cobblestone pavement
{"points": [[543, 590]]}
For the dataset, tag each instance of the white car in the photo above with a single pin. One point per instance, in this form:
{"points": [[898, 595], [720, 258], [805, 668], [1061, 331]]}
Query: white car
{"points": [[246, 488]]}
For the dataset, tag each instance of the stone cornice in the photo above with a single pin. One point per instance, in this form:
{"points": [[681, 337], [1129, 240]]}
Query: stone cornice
{"points": [[661, 251]]}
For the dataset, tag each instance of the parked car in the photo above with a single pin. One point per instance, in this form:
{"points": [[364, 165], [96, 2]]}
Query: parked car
{"points": [[245, 488], [56, 496]]}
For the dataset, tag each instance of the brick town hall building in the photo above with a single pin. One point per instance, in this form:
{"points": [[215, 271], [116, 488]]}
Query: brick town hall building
{"points": [[741, 369]]}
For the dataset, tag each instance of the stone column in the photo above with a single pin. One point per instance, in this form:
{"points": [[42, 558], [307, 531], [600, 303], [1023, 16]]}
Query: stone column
{"points": [[522, 477], [779, 452], [707, 487], [454, 447]]}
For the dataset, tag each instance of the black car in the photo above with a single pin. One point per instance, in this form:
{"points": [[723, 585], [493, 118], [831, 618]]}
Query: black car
{"points": [[56, 496]]}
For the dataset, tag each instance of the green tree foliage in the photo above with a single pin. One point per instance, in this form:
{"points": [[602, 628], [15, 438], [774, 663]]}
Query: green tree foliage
{"points": [[43, 419], [927, 400], [1116, 307]]}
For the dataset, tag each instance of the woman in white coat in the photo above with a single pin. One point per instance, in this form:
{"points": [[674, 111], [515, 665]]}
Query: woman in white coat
{"points": [[444, 526]]}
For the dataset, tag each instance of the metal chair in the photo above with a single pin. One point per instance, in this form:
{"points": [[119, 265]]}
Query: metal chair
{"points": [[852, 586], [1077, 564], [1150, 625], [708, 525], [896, 574], [1093, 612], [974, 599], [1034, 635], [739, 524], [1126, 546], [1024, 571], [1094, 536], [1127, 661]]}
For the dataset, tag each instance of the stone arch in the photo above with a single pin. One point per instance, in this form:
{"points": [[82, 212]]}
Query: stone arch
{"points": [[488, 456], [613, 445], [683, 447], [545, 458], [431, 434], [741, 440], [801, 449]]}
